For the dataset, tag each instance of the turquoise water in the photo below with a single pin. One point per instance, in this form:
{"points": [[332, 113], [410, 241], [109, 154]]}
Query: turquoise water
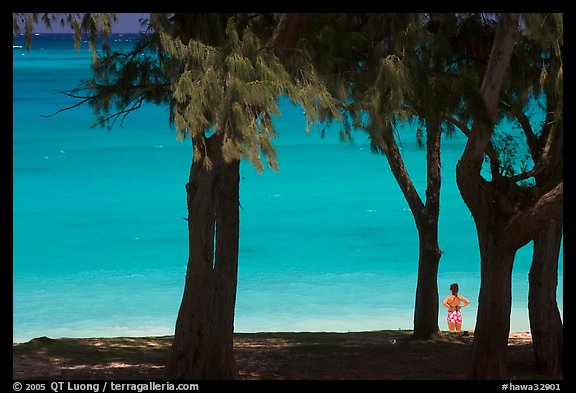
{"points": [[327, 243]]}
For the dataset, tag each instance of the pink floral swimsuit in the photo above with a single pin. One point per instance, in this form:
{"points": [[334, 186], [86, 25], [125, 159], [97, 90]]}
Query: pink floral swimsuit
{"points": [[454, 317]]}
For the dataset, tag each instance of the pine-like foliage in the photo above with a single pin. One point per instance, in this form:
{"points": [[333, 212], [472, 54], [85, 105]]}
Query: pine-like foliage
{"points": [[387, 69], [424, 77], [94, 25], [123, 81], [233, 89], [213, 71], [532, 97]]}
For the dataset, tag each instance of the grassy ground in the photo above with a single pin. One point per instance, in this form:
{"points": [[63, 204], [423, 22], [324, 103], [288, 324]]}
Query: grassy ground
{"points": [[387, 354]]}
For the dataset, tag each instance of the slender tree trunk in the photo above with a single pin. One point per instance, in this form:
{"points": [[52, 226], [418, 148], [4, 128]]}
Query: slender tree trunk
{"points": [[426, 218], [426, 305], [203, 340], [545, 322], [494, 306]]}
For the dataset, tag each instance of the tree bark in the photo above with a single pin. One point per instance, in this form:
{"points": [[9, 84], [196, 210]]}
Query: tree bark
{"points": [[484, 201], [426, 218], [545, 322], [426, 306], [494, 306], [203, 340], [287, 34], [427, 303]]}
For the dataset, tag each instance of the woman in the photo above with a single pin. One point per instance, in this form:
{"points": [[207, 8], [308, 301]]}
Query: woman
{"points": [[453, 303]]}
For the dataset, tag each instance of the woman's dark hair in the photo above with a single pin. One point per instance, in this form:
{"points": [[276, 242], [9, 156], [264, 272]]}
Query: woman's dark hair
{"points": [[454, 289]]}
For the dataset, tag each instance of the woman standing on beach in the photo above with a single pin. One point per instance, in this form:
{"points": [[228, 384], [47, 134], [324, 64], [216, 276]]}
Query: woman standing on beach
{"points": [[453, 303]]}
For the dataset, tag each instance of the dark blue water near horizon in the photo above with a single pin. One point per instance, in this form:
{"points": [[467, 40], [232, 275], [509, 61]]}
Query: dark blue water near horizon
{"points": [[326, 244]]}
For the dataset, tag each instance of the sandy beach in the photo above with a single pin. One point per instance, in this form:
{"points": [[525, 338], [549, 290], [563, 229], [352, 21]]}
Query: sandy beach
{"points": [[373, 355]]}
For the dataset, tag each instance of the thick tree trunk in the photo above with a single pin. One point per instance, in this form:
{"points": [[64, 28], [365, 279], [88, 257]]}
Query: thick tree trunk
{"points": [[482, 198], [501, 232], [503, 222], [203, 340], [545, 321], [494, 306]]}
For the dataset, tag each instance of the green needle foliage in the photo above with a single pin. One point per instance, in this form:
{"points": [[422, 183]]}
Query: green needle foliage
{"points": [[212, 80], [94, 25], [234, 89]]}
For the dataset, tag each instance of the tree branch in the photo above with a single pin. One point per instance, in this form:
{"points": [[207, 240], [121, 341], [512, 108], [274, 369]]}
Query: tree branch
{"points": [[392, 153], [525, 175], [137, 103], [490, 91], [84, 99], [468, 177], [287, 34], [531, 138], [490, 151], [545, 150], [525, 225]]}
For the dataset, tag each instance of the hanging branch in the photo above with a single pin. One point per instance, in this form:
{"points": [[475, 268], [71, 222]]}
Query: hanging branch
{"points": [[136, 104], [133, 104], [82, 98]]}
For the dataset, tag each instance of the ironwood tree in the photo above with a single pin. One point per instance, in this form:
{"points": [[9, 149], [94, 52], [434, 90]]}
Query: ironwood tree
{"points": [[385, 70], [507, 214], [536, 85], [221, 76]]}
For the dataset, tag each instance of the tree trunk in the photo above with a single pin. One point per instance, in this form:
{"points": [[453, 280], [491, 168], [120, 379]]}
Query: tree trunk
{"points": [[494, 306], [203, 340], [504, 223], [426, 306], [501, 232], [426, 218], [482, 198], [545, 322]]}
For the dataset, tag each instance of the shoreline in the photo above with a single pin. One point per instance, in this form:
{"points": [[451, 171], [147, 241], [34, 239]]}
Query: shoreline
{"points": [[519, 334], [374, 355]]}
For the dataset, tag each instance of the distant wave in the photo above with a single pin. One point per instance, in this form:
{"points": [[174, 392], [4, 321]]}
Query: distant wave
{"points": [[16, 46]]}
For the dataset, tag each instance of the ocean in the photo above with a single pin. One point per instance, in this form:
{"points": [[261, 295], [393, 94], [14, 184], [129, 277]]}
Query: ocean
{"points": [[327, 243]]}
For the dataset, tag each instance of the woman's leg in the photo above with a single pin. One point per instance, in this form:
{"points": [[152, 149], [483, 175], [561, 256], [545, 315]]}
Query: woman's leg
{"points": [[451, 322]]}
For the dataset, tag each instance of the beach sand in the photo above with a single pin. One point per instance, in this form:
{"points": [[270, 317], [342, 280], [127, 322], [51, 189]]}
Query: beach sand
{"points": [[374, 355]]}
